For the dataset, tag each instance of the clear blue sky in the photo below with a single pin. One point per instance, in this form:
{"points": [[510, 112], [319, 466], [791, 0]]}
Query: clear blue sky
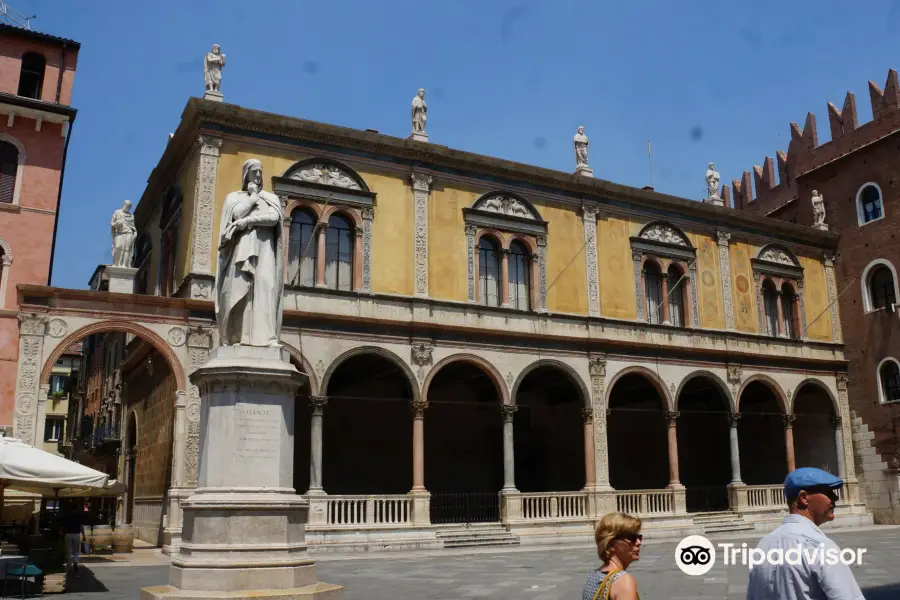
{"points": [[704, 80]]}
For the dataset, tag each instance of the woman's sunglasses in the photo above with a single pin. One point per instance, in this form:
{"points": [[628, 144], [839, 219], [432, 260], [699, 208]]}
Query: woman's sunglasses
{"points": [[633, 538]]}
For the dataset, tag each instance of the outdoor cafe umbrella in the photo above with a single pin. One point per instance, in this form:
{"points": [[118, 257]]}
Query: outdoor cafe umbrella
{"points": [[29, 469]]}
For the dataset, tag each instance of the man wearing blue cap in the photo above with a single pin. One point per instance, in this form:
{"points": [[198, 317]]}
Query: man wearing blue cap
{"points": [[810, 494]]}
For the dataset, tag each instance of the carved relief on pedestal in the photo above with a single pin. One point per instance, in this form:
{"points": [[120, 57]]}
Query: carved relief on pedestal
{"points": [[589, 215], [204, 201], [31, 345], [421, 185]]}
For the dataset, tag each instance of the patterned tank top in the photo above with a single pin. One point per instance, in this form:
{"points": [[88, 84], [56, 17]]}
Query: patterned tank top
{"points": [[599, 584]]}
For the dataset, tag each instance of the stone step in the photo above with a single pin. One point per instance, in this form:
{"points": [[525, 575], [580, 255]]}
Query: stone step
{"points": [[737, 527], [496, 535]]}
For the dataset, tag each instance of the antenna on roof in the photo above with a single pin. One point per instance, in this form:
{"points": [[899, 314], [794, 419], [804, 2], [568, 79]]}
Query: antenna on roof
{"points": [[11, 16], [650, 161]]}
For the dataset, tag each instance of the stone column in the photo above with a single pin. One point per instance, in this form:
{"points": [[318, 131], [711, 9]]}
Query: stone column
{"points": [[789, 441], [542, 273], [320, 254], [723, 239], [368, 215], [509, 461], [470, 264], [664, 279], [244, 533], [597, 370], [504, 278], [421, 499], [421, 185], [590, 480], [839, 448], [735, 448], [851, 483], [589, 218], [200, 278], [315, 444], [31, 347], [674, 481], [780, 314]]}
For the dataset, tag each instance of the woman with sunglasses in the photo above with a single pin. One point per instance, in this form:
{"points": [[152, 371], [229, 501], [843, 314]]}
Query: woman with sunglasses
{"points": [[619, 540]]}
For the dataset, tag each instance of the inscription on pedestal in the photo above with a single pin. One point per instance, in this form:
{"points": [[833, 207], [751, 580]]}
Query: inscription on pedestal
{"points": [[258, 432]]}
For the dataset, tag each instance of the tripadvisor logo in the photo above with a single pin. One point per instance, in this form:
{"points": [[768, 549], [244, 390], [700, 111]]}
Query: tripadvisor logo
{"points": [[695, 555]]}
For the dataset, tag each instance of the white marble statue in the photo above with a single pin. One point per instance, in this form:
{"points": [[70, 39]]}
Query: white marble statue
{"points": [[581, 148], [818, 207], [212, 68], [712, 181], [250, 276], [419, 108], [123, 235]]}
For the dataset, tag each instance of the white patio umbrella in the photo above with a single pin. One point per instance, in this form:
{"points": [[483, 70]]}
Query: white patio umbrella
{"points": [[29, 469]]}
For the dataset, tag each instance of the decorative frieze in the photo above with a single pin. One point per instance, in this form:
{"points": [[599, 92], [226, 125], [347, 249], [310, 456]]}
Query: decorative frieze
{"points": [[638, 284], [199, 342], [836, 334], [421, 185], [723, 239], [597, 371], [542, 272], [31, 345], [589, 216], [470, 263], [367, 214], [204, 204], [695, 306]]}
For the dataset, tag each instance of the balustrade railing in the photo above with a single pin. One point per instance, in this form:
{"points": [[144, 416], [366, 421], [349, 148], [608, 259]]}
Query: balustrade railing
{"points": [[646, 502], [765, 496], [367, 510], [554, 506]]}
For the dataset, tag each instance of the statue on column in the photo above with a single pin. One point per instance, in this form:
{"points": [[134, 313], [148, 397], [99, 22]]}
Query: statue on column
{"points": [[212, 69], [818, 208], [712, 182], [581, 148], [419, 116], [123, 235], [250, 275]]}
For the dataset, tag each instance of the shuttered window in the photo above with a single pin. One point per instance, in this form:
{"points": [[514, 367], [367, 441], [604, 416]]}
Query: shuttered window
{"points": [[9, 162]]}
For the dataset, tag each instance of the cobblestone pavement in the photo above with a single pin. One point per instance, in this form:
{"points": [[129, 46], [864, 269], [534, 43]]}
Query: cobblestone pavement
{"points": [[548, 573]]}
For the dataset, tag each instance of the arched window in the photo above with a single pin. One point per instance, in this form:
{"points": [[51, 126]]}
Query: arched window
{"points": [[788, 314], [869, 204], [770, 304], [31, 78], [653, 292], [339, 254], [519, 280], [489, 272], [880, 285], [302, 248], [9, 165], [889, 378], [676, 295]]}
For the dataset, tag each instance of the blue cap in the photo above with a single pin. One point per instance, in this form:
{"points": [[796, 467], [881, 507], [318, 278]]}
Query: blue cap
{"points": [[805, 478]]}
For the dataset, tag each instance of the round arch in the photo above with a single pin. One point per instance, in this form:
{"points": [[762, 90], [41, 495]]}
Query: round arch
{"points": [[715, 379], [571, 373], [860, 211], [131, 418], [159, 344], [777, 253], [307, 368], [864, 281], [878, 380], [651, 377], [769, 383], [326, 162], [664, 225], [818, 383], [7, 252], [489, 369], [351, 215], [407, 371], [483, 199]]}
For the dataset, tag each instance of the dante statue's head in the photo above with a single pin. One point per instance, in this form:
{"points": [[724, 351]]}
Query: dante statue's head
{"points": [[815, 193], [216, 49], [421, 93], [252, 172], [126, 206], [580, 130]]}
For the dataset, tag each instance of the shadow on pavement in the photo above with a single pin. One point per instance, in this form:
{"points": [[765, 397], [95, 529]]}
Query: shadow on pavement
{"points": [[884, 592], [85, 582]]}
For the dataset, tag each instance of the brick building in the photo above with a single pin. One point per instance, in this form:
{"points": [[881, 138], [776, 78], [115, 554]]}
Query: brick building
{"points": [[858, 173], [36, 76]]}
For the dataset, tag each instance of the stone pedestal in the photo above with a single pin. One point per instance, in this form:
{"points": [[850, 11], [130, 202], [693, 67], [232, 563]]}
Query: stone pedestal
{"points": [[820, 226], [737, 496], [197, 286], [421, 507], [121, 279], [244, 533], [214, 96], [418, 136], [715, 201], [584, 170]]}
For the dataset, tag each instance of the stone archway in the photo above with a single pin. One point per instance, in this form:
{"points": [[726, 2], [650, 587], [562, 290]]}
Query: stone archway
{"points": [[761, 431], [817, 437]]}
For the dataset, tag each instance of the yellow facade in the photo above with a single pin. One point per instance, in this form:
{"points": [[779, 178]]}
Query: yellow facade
{"points": [[743, 291], [815, 295], [566, 269], [616, 267], [710, 300], [392, 247], [187, 181]]}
